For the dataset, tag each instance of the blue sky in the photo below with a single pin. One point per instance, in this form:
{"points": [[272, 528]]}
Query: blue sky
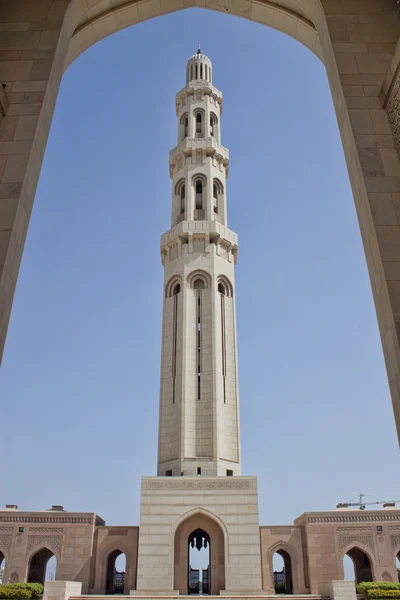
{"points": [[80, 374]]}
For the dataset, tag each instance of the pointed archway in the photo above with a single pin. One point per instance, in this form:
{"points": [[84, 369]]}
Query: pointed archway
{"points": [[361, 563], [115, 572], [38, 566], [199, 529]]}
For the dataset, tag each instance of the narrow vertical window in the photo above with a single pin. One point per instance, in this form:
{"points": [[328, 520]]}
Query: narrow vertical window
{"points": [[206, 69], [198, 470], [183, 199], [198, 344], [221, 290], [199, 123], [215, 197], [197, 71], [191, 71], [177, 289], [199, 195], [198, 286], [201, 71], [185, 126]]}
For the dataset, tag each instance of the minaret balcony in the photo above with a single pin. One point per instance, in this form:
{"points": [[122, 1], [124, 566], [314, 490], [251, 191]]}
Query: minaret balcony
{"points": [[215, 232], [188, 145]]}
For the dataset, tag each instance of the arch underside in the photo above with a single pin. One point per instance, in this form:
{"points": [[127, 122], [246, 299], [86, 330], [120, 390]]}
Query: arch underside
{"points": [[296, 18]]}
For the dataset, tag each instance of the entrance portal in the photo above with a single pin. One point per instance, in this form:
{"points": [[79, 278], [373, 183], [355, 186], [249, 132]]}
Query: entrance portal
{"points": [[362, 565], [199, 563], [199, 560], [38, 566], [283, 579]]}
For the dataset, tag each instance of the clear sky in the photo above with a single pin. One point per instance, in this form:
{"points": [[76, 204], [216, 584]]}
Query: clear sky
{"points": [[80, 374]]}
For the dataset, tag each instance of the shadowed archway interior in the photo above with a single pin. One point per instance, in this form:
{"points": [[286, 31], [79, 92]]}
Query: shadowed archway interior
{"points": [[362, 565], [200, 530], [38, 564]]}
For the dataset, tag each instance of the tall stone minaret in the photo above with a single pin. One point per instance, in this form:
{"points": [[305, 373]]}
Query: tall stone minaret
{"points": [[199, 401]]}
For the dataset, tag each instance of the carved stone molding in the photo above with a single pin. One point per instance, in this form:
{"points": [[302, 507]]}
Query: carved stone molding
{"points": [[359, 518], [46, 530], [52, 542], [5, 543], [6, 529], [345, 540], [354, 529], [395, 540], [200, 484], [66, 520]]}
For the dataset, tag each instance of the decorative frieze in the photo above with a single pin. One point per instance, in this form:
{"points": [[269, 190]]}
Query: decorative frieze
{"points": [[358, 518], [46, 530], [52, 542], [53, 519], [199, 484], [395, 540], [346, 540], [5, 543]]}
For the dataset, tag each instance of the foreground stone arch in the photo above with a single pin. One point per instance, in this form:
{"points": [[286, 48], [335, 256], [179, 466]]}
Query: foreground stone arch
{"points": [[291, 563], [199, 520], [356, 41], [363, 561]]}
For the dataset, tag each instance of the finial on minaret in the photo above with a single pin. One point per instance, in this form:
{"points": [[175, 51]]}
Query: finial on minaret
{"points": [[198, 49]]}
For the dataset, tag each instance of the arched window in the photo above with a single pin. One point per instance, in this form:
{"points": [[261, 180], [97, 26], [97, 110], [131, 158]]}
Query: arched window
{"points": [[184, 126], [199, 123], [180, 190], [214, 125], [224, 286], [201, 71], [218, 190], [199, 284], [206, 69], [197, 71], [177, 289], [199, 194], [191, 71]]}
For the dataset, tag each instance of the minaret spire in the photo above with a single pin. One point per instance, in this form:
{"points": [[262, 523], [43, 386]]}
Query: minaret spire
{"points": [[199, 401]]}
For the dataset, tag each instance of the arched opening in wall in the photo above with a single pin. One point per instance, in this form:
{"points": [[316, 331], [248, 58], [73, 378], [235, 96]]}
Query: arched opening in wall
{"points": [[184, 126], [218, 190], [199, 556], [199, 121], [115, 573], [2, 567], [214, 125], [282, 570], [361, 566], [398, 566], [42, 566], [199, 563]]}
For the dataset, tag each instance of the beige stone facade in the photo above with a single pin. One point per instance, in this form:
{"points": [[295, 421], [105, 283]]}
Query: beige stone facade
{"points": [[315, 543], [199, 490]]}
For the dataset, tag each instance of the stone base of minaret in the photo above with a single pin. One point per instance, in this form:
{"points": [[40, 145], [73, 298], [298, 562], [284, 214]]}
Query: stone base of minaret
{"points": [[224, 508]]}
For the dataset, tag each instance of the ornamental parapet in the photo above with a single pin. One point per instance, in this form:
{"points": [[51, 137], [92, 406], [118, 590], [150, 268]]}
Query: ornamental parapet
{"points": [[213, 232], [186, 147], [198, 87]]}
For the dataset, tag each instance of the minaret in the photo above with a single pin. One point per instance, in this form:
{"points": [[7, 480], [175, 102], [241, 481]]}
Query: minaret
{"points": [[199, 401]]}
